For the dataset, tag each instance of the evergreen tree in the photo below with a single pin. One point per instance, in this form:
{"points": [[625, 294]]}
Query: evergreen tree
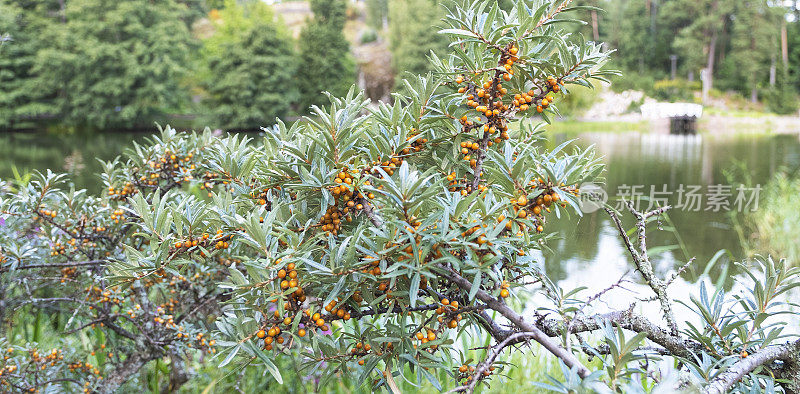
{"points": [[413, 34], [325, 64], [123, 69], [247, 73], [754, 42], [793, 35], [699, 41], [22, 98], [377, 13]]}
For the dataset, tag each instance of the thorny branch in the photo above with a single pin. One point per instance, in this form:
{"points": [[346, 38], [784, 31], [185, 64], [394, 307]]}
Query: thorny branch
{"points": [[642, 260]]}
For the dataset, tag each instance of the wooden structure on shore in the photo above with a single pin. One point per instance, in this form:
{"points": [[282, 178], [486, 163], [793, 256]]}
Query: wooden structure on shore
{"points": [[682, 116]]}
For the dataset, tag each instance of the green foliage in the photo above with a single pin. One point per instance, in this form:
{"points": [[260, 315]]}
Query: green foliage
{"points": [[324, 63], [247, 68], [122, 70], [578, 101], [632, 80], [377, 13], [22, 96], [773, 227], [367, 36], [782, 98], [675, 90], [413, 35], [330, 12], [373, 245], [754, 41], [701, 23]]}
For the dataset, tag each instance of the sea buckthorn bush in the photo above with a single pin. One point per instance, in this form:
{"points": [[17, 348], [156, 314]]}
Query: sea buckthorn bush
{"points": [[363, 242]]}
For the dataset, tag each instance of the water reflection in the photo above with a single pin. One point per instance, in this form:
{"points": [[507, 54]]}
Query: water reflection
{"points": [[590, 247]]}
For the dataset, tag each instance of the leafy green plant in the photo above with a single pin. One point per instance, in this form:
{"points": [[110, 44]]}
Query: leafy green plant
{"points": [[361, 244], [675, 90]]}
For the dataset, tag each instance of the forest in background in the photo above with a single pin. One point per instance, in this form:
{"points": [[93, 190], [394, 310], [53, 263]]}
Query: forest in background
{"points": [[69, 65]]}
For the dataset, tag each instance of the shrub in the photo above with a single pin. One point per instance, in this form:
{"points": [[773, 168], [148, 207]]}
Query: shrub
{"points": [[675, 90], [368, 35], [360, 243], [577, 102], [782, 98], [633, 81]]}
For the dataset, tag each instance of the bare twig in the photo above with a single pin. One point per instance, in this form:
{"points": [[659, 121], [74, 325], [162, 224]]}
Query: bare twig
{"points": [[642, 260]]}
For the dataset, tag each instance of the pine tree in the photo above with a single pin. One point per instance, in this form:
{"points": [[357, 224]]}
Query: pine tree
{"points": [[413, 34], [325, 64], [754, 43], [377, 12], [123, 70], [247, 71], [699, 39], [22, 98]]}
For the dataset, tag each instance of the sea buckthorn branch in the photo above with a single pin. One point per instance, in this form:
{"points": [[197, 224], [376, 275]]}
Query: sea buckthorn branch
{"points": [[56, 265], [535, 333], [787, 353], [547, 18], [642, 261], [481, 372]]}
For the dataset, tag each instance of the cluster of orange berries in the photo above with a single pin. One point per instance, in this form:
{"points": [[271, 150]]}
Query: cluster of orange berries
{"points": [[466, 372], [352, 199], [58, 249], [116, 215], [46, 213], [468, 147], [450, 310], [361, 349], [523, 101], [210, 179], [163, 318], [417, 145], [335, 312], [372, 265], [454, 185], [290, 279], [219, 241], [273, 335], [68, 272], [38, 362], [132, 312], [124, 192], [388, 166], [99, 295], [169, 166], [553, 83], [261, 196], [537, 206], [504, 289]]}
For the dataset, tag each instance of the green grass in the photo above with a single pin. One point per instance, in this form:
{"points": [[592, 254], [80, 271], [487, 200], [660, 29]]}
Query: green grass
{"points": [[773, 228]]}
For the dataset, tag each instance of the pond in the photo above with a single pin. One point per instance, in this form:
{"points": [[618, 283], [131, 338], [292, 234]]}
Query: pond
{"points": [[590, 251], [588, 248]]}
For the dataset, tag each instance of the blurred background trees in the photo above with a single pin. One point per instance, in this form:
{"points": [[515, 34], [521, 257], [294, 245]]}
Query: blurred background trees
{"points": [[324, 61], [246, 68], [163, 53]]}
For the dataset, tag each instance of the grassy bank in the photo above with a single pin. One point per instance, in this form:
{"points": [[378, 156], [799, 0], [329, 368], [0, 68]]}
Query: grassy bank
{"points": [[773, 228]]}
